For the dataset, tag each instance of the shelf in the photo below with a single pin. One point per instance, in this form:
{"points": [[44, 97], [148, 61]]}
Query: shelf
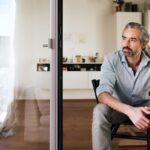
{"points": [[82, 67], [43, 67]]}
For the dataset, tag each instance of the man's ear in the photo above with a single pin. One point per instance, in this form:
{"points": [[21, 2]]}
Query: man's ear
{"points": [[144, 45]]}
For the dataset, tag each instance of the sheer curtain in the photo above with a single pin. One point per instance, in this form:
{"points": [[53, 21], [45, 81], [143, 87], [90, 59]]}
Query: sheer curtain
{"points": [[7, 18]]}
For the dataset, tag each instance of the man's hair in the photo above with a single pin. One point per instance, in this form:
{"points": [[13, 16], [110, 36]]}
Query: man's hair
{"points": [[144, 37]]}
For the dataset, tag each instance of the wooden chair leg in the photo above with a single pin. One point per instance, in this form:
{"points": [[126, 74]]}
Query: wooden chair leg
{"points": [[148, 139]]}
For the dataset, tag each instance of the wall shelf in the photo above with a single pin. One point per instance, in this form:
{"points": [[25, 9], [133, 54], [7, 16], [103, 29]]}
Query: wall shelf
{"points": [[44, 67], [82, 67]]}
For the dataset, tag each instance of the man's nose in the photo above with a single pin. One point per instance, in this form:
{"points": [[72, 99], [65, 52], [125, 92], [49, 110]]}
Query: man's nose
{"points": [[127, 43]]}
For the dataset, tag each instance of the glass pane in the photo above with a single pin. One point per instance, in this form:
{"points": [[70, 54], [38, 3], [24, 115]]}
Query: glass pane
{"points": [[91, 30], [25, 74]]}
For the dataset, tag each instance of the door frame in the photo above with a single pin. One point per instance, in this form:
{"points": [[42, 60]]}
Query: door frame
{"points": [[56, 46]]}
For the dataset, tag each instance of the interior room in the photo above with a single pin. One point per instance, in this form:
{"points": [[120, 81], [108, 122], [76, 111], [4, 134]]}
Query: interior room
{"points": [[91, 30]]}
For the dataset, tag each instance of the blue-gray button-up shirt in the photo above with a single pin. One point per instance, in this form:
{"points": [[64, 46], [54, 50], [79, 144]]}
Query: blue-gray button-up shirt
{"points": [[118, 79]]}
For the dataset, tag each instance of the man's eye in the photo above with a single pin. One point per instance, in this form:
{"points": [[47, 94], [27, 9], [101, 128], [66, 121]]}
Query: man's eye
{"points": [[123, 38], [133, 40]]}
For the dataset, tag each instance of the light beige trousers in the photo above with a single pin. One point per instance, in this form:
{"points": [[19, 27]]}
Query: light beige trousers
{"points": [[103, 117]]}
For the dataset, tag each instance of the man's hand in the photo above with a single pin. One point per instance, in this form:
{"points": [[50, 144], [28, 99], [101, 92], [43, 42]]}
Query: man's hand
{"points": [[137, 116]]}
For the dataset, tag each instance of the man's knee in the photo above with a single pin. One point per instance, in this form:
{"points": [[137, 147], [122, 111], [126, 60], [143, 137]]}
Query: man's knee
{"points": [[101, 109], [101, 112]]}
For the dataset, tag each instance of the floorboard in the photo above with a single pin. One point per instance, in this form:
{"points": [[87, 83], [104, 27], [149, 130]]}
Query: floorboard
{"points": [[17, 142], [77, 119]]}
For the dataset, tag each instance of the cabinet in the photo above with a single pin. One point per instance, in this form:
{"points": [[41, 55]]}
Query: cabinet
{"points": [[121, 19], [75, 80], [79, 79], [77, 84]]}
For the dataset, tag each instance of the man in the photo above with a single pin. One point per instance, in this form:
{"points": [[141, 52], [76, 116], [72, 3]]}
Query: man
{"points": [[124, 87]]}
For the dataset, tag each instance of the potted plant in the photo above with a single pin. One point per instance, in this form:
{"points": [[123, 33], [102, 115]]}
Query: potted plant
{"points": [[119, 4]]}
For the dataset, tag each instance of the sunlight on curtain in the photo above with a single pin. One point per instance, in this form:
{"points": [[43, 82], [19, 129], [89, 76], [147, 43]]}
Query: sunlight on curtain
{"points": [[7, 18]]}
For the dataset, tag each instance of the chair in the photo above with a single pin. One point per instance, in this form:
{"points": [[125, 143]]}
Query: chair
{"points": [[115, 127]]}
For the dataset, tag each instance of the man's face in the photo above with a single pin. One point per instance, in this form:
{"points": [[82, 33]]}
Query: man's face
{"points": [[131, 44]]}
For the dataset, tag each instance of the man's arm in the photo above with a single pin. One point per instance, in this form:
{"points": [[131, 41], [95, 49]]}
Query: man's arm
{"points": [[136, 114]]}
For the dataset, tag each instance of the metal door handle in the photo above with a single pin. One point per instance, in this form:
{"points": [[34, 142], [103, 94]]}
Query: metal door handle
{"points": [[45, 45], [50, 44]]}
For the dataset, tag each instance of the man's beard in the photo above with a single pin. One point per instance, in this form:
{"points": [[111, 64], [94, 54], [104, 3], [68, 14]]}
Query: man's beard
{"points": [[128, 52]]}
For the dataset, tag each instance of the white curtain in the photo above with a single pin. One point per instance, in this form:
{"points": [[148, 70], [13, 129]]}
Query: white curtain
{"points": [[7, 13]]}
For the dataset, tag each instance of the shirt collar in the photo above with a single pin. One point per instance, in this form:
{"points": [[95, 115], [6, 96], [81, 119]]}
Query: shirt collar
{"points": [[123, 59], [145, 58]]}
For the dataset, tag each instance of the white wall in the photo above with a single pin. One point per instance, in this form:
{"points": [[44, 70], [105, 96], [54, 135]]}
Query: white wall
{"points": [[31, 31], [88, 27]]}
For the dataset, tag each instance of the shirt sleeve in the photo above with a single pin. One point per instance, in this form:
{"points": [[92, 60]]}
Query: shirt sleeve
{"points": [[108, 78]]}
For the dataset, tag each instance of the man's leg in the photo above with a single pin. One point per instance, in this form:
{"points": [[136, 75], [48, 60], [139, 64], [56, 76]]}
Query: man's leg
{"points": [[101, 128], [103, 117], [143, 103]]}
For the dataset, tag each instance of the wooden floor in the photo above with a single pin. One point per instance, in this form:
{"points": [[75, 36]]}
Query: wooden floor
{"points": [[17, 142], [77, 128], [77, 118]]}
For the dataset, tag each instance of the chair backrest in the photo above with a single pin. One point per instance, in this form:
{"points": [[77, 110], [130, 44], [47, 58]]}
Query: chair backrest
{"points": [[95, 84]]}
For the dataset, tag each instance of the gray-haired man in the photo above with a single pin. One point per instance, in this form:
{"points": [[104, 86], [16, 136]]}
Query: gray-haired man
{"points": [[124, 87]]}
